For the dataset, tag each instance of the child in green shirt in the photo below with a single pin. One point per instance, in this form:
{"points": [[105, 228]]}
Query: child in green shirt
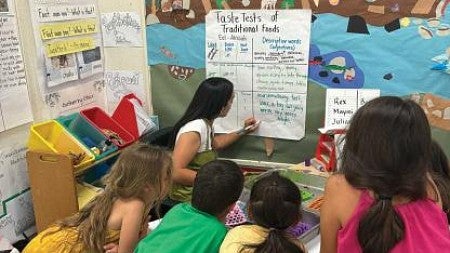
{"points": [[199, 227]]}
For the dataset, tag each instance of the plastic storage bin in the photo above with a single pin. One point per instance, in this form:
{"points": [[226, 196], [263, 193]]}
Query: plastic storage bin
{"points": [[86, 133], [98, 118], [50, 136], [125, 115]]}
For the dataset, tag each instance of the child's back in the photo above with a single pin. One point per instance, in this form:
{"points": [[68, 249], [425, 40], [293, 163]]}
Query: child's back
{"points": [[199, 228], [384, 200], [425, 226], [274, 206]]}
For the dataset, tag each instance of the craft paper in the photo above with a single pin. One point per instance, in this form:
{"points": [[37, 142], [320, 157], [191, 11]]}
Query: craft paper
{"points": [[121, 29]]}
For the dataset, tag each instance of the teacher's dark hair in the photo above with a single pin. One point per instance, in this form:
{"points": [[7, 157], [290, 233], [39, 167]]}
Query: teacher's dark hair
{"points": [[387, 150], [210, 98]]}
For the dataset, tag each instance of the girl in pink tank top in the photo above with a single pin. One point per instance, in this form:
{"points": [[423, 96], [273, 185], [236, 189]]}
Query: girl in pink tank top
{"points": [[385, 200], [425, 224]]}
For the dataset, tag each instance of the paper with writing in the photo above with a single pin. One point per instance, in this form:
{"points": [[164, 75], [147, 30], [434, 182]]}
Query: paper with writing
{"points": [[13, 171], [68, 29], [21, 210], [122, 29], [341, 104], [58, 12], [74, 98], [69, 46], [122, 82], [15, 108], [265, 54]]}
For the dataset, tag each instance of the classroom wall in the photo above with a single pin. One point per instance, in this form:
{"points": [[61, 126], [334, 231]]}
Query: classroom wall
{"points": [[13, 141], [397, 60]]}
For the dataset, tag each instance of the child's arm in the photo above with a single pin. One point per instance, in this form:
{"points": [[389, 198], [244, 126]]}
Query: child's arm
{"points": [[329, 222], [131, 226]]}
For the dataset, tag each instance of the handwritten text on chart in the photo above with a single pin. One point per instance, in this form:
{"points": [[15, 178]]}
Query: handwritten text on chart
{"points": [[69, 46], [286, 107], [11, 63], [65, 12], [68, 29]]}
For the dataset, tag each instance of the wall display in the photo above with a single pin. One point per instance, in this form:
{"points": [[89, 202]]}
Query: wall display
{"points": [[16, 212], [15, 108], [74, 99], [122, 82], [341, 104], [121, 29], [265, 55], [398, 47], [69, 47]]}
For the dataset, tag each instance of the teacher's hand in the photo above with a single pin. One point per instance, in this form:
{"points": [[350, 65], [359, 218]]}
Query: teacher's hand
{"points": [[251, 124]]}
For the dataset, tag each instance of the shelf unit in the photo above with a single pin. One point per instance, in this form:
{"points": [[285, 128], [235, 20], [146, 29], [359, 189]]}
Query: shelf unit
{"points": [[53, 185]]}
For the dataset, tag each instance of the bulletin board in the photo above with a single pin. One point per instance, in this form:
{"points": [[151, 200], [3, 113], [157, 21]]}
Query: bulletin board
{"points": [[398, 47]]}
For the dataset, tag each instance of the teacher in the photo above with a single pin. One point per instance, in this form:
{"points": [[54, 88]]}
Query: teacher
{"points": [[193, 140]]}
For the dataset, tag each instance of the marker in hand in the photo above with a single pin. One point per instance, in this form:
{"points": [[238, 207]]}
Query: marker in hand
{"points": [[248, 128]]}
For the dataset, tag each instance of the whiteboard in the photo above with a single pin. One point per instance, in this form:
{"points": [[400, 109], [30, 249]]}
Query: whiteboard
{"points": [[265, 54]]}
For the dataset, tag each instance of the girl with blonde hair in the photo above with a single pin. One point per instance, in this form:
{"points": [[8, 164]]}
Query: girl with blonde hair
{"points": [[138, 181]]}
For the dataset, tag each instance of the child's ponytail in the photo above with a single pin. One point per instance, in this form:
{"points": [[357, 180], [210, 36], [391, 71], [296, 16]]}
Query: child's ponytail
{"points": [[381, 228], [275, 204]]}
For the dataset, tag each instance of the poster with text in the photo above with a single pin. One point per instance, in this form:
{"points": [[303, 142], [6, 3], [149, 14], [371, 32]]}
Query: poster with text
{"points": [[15, 107], [265, 55], [68, 45]]}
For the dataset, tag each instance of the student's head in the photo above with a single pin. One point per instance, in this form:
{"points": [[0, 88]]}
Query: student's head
{"points": [[440, 172], [387, 150], [212, 99], [217, 187], [275, 203], [141, 172]]}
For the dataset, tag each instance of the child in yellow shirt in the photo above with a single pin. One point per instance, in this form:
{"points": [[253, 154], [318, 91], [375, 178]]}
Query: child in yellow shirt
{"points": [[275, 205]]}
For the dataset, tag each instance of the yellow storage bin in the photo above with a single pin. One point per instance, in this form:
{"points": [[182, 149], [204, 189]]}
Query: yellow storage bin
{"points": [[50, 136]]}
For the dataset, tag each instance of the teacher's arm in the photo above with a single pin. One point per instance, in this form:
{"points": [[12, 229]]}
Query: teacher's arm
{"points": [[222, 141], [184, 152]]}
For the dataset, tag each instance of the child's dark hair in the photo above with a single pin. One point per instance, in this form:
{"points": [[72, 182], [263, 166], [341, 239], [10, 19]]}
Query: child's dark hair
{"points": [[275, 203], [218, 185], [387, 150], [210, 98], [441, 175]]}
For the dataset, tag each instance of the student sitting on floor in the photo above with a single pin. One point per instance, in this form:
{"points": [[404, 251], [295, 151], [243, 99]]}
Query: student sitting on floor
{"points": [[139, 178], [385, 199], [275, 205], [199, 228], [441, 175]]}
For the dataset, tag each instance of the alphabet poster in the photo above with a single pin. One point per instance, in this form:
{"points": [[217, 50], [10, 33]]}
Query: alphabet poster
{"points": [[265, 55]]}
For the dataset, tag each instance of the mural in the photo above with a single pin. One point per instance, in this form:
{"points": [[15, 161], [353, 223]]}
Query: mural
{"points": [[399, 47]]}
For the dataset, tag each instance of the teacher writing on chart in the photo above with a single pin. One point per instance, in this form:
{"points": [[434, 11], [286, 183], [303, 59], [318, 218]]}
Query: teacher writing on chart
{"points": [[193, 140]]}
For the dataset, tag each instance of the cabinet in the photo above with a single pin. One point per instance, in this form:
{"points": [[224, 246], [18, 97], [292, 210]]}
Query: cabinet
{"points": [[53, 185]]}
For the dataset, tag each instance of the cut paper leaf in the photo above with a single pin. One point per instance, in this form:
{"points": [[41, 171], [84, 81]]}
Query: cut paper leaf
{"points": [[446, 115], [441, 111], [437, 113]]}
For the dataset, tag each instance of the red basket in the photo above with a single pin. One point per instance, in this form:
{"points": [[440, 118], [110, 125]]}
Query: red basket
{"points": [[99, 119], [125, 115]]}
